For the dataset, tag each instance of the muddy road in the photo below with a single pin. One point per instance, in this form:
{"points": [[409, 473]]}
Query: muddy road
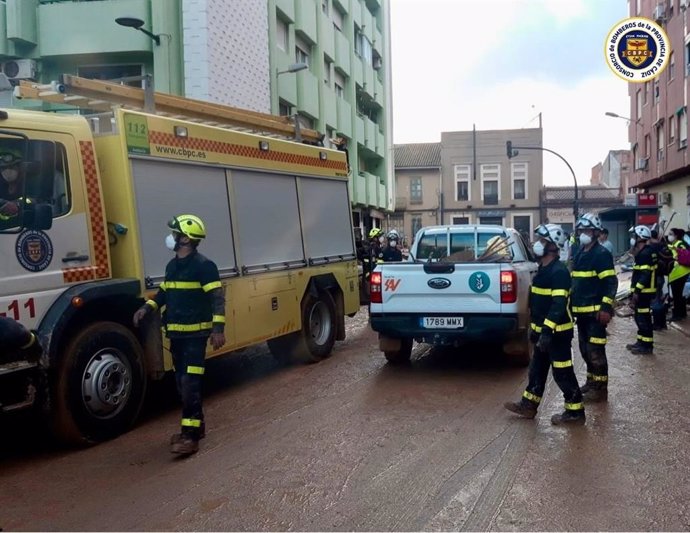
{"points": [[354, 444]]}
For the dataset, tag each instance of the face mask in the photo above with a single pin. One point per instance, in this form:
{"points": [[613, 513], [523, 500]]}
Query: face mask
{"points": [[10, 174], [393, 244], [585, 239], [170, 242], [538, 249], [671, 238], [633, 241]]}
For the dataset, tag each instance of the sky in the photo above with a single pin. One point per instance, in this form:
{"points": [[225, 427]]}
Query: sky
{"points": [[497, 64]]}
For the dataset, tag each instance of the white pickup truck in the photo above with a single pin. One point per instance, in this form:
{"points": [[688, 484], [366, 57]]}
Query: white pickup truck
{"points": [[452, 290]]}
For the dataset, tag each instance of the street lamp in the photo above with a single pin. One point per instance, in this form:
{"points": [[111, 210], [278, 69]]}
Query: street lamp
{"points": [[295, 67], [616, 115], [137, 24]]}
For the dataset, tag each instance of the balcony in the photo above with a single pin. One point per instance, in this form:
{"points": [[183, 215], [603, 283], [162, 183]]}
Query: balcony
{"points": [[305, 22], [287, 7], [359, 129], [383, 196], [307, 93], [370, 130], [343, 4], [358, 69], [342, 53], [330, 107], [372, 188], [359, 195], [344, 117], [368, 24], [380, 144], [326, 37], [490, 199]]}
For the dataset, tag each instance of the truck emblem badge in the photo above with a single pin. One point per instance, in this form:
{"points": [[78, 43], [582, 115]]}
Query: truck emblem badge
{"points": [[34, 250], [479, 282], [438, 283]]}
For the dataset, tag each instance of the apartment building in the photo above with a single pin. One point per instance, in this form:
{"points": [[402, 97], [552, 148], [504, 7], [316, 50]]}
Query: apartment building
{"points": [[417, 188], [481, 185], [658, 130], [234, 53]]}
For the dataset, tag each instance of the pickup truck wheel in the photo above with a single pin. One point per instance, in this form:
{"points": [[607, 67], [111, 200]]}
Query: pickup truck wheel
{"points": [[519, 353], [400, 356], [316, 339], [100, 384]]}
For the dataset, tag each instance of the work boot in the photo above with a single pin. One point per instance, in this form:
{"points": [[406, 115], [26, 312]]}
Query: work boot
{"points": [[642, 350], [633, 346], [523, 408], [184, 444], [587, 386], [574, 418], [595, 394]]}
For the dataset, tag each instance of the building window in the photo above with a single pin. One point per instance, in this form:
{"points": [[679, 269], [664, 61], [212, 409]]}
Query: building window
{"points": [[647, 146], [339, 82], [416, 190], [660, 143], [358, 41], [656, 91], [495, 221], [283, 108], [460, 220], [416, 225], [523, 224], [671, 66], [518, 173], [111, 72], [302, 51], [462, 183], [682, 128], [638, 6], [282, 34], [327, 72], [490, 176], [671, 129], [639, 104]]}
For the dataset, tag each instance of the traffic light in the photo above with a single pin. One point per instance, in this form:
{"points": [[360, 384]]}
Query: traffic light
{"points": [[509, 149]]}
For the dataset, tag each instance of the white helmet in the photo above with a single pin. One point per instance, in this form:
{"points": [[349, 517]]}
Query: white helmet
{"points": [[589, 221], [393, 235], [552, 233], [642, 232]]}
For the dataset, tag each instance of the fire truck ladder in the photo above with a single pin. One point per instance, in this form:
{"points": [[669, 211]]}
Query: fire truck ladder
{"points": [[102, 96]]}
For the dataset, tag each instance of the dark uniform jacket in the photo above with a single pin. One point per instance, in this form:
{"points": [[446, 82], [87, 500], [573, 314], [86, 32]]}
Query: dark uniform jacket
{"points": [[548, 299], [644, 271], [193, 297], [391, 254], [594, 281]]}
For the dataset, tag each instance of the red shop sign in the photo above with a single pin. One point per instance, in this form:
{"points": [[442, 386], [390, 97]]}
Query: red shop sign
{"points": [[647, 199]]}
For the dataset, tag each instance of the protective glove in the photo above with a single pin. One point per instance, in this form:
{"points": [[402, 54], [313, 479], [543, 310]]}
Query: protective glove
{"points": [[140, 314], [217, 340], [9, 209], [544, 342], [603, 317]]}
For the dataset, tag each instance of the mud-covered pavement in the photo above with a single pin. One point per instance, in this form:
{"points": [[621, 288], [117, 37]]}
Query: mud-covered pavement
{"points": [[353, 444]]}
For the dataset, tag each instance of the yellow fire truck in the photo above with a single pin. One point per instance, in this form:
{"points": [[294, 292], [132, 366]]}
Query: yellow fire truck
{"points": [[85, 247]]}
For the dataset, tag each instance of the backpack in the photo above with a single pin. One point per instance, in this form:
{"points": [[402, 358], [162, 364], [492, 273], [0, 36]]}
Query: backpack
{"points": [[684, 257], [665, 262]]}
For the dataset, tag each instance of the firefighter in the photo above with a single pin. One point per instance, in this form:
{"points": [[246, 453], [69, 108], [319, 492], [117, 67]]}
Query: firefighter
{"points": [[10, 183], [17, 342], [391, 252], [374, 252], [194, 313], [594, 291], [643, 289], [552, 331]]}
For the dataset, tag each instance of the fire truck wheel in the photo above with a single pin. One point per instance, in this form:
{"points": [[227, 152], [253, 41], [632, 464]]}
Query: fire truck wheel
{"points": [[100, 384], [401, 355], [316, 338]]}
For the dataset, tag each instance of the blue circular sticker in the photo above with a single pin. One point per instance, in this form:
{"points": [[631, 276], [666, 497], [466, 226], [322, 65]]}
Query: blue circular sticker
{"points": [[479, 282], [34, 250]]}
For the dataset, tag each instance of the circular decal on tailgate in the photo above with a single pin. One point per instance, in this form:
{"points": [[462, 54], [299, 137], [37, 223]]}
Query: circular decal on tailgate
{"points": [[479, 282], [34, 250]]}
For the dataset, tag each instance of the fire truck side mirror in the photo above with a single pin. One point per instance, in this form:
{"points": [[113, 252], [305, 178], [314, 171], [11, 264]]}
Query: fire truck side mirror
{"points": [[37, 216]]}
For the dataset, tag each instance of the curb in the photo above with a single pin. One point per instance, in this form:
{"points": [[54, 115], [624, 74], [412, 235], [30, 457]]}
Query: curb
{"points": [[675, 326]]}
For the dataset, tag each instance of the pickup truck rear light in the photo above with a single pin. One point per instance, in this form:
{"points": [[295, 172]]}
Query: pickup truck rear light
{"points": [[375, 295], [508, 287]]}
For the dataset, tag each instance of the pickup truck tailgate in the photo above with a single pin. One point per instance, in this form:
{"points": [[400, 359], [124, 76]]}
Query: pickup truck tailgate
{"points": [[440, 288]]}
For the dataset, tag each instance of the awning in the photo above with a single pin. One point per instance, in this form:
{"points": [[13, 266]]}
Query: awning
{"points": [[680, 110], [624, 212]]}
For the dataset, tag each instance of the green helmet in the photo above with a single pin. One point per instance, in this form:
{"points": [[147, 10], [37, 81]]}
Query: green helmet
{"points": [[190, 225], [9, 156], [375, 232]]}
